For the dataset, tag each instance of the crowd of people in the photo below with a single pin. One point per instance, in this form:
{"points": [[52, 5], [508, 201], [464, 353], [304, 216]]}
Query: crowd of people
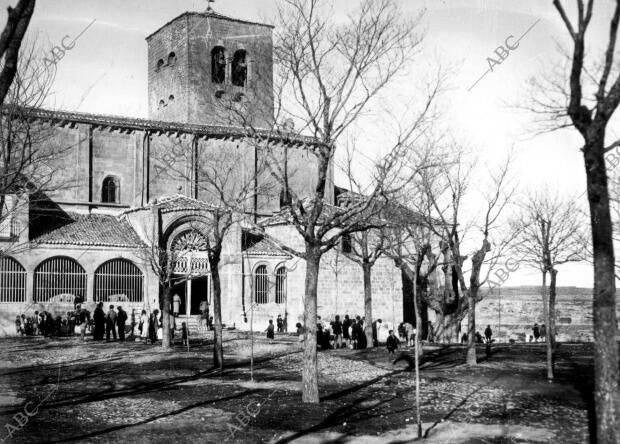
{"points": [[348, 332]]}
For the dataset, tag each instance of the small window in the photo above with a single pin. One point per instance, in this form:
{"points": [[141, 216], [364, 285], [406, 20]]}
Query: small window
{"points": [[110, 190], [172, 57], [285, 198], [6, 215], [280, 285], [239, 68], [162, 103], [261, 285], [171, 98], [160, 63], [346, 243], [218, 64]]}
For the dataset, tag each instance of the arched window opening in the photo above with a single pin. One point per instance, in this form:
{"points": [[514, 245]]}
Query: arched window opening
{"points": [[218, 64], [239, 68], [110, 190], [118, 280], [171, 98], [280, 285], [346, 243], [6, 216], [162, 103], [160, 63], [172, 57], [12, 280], [59, 276], [285, 198], [261, 285]]}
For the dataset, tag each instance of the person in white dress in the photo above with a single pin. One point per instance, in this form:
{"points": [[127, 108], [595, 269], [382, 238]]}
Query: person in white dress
{"points": [[144, 322]]}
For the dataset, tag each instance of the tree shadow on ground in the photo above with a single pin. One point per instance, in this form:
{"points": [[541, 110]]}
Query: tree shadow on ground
{"points": [[154, 418]]}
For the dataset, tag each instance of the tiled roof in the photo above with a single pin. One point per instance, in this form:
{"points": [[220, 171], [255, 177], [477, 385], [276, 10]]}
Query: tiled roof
{"points": [[128, 124], [92, 229], [211, 14], [178, 202], [265, 247]]}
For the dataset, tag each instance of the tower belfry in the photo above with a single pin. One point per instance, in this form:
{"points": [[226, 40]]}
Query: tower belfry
{"points": [[206, 68]]}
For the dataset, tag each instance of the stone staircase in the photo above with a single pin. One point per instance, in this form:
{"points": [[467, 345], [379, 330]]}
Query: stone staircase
{"points": [[193, 324]]}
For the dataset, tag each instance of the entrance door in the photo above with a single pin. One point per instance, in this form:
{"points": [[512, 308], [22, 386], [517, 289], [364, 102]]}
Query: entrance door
{"points": [[180, 289], [200, 292]]}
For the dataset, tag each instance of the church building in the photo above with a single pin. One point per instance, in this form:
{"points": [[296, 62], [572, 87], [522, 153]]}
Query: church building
{"points": [[117, 182]]}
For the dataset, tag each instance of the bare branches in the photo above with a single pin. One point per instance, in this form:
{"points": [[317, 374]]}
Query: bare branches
{"points": [[10, 42], [549, 231]]}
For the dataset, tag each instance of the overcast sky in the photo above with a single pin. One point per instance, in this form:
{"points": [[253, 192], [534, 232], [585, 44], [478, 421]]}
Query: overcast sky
{"points": [[106, 73]]}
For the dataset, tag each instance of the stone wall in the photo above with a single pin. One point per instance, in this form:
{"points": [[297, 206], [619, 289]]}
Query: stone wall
{"points": [[512, 311]]}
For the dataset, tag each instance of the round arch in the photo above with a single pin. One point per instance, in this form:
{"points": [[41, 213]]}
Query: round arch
{"points": [[118, 280], [12, 280], [260, 279], [59, 276]]}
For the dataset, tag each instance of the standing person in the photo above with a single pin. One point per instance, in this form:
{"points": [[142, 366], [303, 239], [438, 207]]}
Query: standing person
{"points": [[543, 333], [376, 325], [536, 332], [184, 334], [270, 330], [99, 318], [280, 324], [488, 333], [361, 336], [176, 304], [71, 319], [144, 326], [153, 324], [346, 324], [110, 324], [392, 344], [120, 322], [410, 333], [83, 320], [18, 326], [354, 334], [337, 329], [204, 312], [35, 323]]}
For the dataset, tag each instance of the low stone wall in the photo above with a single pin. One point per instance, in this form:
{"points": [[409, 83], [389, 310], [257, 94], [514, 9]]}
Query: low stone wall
{"points": [[512, 311]]}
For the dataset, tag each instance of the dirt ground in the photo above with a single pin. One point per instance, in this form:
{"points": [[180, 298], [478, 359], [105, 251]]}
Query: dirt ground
{"points": [[63, 390]]}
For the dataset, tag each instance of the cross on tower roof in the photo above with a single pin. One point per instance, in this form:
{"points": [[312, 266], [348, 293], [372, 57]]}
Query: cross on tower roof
{"points": [[209, 8]]}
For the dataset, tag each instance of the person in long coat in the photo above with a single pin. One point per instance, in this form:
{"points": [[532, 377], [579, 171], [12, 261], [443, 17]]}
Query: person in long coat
{"points": [[144, 324], [153, 325], [99, 318]]}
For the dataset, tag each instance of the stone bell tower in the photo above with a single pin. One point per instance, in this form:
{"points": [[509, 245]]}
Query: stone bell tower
{"points": [[206, 68]]}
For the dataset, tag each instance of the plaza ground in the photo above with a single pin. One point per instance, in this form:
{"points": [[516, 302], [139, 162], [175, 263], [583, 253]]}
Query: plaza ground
{"points": [[132, 392]]}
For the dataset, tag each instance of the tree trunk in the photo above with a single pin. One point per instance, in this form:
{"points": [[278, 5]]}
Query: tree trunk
{"points": [[218, 349], [471, 330], [450, 328], [310, 370], [552, 295], [367, 269], [418, 321], [418, 353], [165, 318], [606, 372], [549, 347]]}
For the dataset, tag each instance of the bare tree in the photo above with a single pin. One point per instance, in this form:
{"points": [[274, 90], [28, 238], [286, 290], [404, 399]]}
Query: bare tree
{"points": [[227, 182], [548, 233], [28, 151], [365, 248], [327, 75], [11, 41], [587, 101], [445, 191]]}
